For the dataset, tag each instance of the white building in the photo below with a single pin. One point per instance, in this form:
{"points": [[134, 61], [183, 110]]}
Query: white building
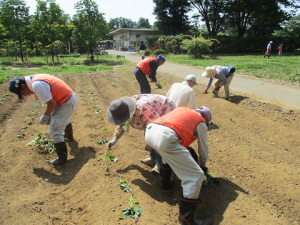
{"points": [[125, 38]]}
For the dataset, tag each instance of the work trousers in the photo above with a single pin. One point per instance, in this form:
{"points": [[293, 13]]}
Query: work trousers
{"points": [[164, 140], [61, 118], [143, 81], [226, 86]]}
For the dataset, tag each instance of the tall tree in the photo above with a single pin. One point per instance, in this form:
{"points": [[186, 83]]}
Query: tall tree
{"points": [[256, 17], [213, 12], [121, 22], [143, 23], [14, 16], [90, 25], [172, 16], [48, 18]]}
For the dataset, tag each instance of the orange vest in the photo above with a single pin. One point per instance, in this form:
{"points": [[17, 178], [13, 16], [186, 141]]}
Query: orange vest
{"points": [[60, 91], [183, 121], [144, 65]]}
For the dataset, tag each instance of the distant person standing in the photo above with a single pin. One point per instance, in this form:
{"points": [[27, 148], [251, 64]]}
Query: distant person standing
{"points": [[142, 50], [148, 67], [280, 49], [269, 47]]}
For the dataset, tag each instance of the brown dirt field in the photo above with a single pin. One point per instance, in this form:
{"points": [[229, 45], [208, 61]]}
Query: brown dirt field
{"points": [[254, 150]]}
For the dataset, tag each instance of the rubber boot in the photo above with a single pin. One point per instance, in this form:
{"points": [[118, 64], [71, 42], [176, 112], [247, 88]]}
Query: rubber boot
{"points": [[193, 153], [62, 154], [164, 176], [69, 132], [187, 208]]}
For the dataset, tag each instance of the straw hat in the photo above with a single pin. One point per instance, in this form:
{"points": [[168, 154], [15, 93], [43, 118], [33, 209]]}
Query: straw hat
{"points": [[209, 72]]}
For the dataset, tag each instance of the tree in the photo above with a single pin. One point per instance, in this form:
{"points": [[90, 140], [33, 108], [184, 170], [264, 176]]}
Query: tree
{"points": [[14, 16], [121, 22], [48, 19], [90, 26], [213, 13], [143, 23], [172, 15]]}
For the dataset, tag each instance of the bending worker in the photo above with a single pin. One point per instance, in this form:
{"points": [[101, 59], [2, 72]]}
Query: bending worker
{"points": [[137, 111], [223, 74], [183, 93], [60, 100], [148, 66], [171, 135]]}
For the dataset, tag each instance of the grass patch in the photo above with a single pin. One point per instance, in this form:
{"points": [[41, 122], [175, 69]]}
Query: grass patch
{"points": [[276, 67], [67, 65]]}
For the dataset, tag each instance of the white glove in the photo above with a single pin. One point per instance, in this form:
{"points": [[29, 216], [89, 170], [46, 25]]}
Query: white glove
{"points": [[45, 120], [111, 143]]}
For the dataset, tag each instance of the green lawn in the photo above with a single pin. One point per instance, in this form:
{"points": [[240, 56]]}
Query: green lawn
{"points": [[276, 67], [12, 68]]}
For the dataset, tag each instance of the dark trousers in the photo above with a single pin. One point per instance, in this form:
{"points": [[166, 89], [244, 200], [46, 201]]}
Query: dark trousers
{"points": [[143, 81]]}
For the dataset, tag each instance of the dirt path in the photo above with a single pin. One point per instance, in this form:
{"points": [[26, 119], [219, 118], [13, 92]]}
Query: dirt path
{"points": [[254, 149], [260, 89]]}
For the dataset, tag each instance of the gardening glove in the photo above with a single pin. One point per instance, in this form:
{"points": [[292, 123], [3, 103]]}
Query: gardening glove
{"points": [[205, 91], [111, 143], [45, 120], [217, 88], [158, 86]]}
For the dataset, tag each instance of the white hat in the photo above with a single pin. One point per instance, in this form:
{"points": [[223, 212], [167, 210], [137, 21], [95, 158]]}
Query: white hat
{"points": [[191, 77], [209, 72]]}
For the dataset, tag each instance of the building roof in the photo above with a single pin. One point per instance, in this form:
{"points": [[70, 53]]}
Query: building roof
{"points": [[122, 30]]}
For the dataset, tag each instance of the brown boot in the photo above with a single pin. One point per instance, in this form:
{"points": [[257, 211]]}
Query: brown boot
{"points": [[69, 132], [62, 154]]}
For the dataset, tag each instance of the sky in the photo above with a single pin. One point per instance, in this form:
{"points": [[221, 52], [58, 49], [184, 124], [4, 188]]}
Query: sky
{"points": [[129, 9]]}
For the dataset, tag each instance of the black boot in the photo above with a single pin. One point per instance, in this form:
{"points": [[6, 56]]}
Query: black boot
{"points": [[62, 154], [187, 208], [69, 132], [165, 175]]}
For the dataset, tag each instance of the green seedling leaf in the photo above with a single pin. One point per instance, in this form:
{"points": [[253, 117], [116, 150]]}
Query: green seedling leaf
{"points": [[132, 212], [95, 106], [104, 129], [101, 142], [123, 185], [106, 169], [111, 157], [24, 127], [114, 85], [97, 111], [43, 143]]}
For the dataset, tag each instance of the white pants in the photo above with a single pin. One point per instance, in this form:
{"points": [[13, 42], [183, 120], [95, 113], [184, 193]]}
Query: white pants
{"points": [[142, 52], [164, 140], [61, 118]]}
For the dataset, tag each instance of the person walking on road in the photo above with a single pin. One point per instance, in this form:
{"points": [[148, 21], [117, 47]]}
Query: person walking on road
{"points": [[280, 48], [137, 111], [171, 135], [223, 74], [148, 66], [269, 48], [60, 100], [142, 50], [183, 93]]}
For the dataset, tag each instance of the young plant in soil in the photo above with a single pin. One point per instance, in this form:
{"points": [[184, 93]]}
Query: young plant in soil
{"points": [[105, 158], [42, 143], [134, 210]]}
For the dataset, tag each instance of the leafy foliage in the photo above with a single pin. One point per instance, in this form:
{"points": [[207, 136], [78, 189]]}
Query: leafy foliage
{"points": [[43, 143], [197, 46]]}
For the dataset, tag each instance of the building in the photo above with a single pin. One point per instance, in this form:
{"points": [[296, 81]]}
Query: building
{"points": [[125, 39]]}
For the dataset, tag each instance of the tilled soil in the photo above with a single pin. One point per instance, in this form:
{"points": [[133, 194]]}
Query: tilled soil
{"points": [[254, 150]]}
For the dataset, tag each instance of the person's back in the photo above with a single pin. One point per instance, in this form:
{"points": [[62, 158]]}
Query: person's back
{"points": [[182, 95]]}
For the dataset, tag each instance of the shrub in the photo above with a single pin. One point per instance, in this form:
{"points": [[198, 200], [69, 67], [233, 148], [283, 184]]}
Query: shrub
{"points": [[159, 51], [197, 46]]}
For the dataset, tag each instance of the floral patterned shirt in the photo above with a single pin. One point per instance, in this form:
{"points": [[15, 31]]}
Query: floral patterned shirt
{"points": [[148, 108]]}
